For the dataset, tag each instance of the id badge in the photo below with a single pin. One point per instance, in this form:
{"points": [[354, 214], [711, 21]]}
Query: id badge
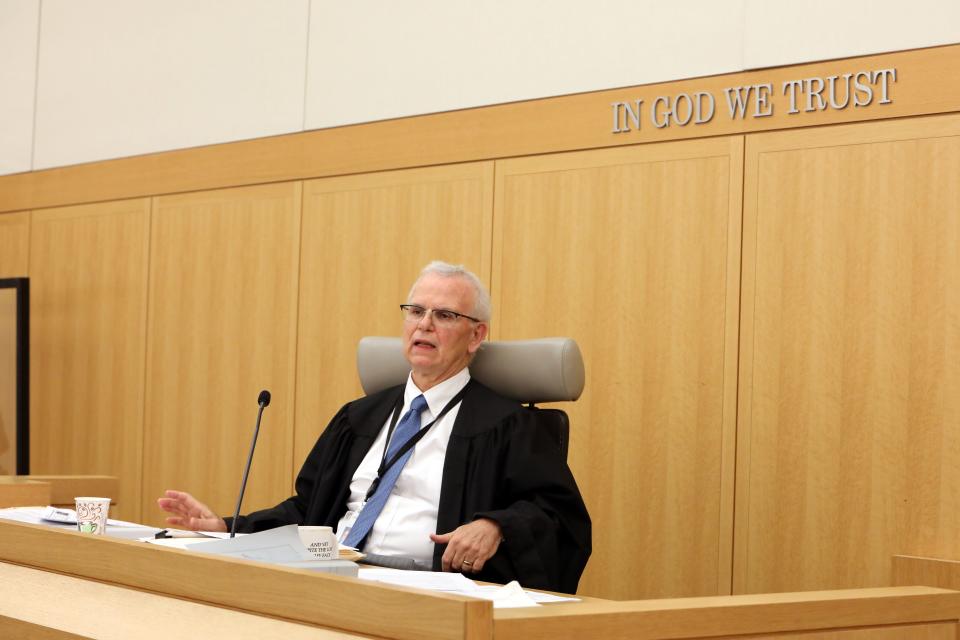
{"points": [[349, 518]]}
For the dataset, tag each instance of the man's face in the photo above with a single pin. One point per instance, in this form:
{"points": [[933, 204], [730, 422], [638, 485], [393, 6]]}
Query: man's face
{"points": [[437, 351]]}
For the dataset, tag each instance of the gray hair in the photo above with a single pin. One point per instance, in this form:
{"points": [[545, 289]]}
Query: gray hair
{"points": [[481, 305]]}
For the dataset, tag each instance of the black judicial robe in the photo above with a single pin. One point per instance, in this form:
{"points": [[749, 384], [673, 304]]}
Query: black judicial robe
{"points": [[499, 465]]}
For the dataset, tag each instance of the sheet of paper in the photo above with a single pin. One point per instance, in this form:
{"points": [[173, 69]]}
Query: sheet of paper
{"points": [[502, 596], [175, 543], [32, 515], [38, 515], [219, 535], [431, 580], [508, 596], [130, 533], [184, 533], [276, 545], [69, 516], [544, 598], [181, 538]]}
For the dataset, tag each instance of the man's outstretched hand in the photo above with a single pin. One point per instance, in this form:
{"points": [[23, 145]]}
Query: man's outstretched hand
{"points": [[189, 513]]}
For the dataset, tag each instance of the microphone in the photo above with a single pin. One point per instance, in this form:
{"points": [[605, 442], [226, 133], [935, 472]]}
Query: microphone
{"points": [[263, 400]]}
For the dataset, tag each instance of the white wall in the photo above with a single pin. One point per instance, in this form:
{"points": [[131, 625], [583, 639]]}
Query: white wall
{"points": [[19, 21], [781, 32], [420, 56], [124, 77]]}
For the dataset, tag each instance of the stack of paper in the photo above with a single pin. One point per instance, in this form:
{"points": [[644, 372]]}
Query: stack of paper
{"points": [[503, 596], [67, 519]]}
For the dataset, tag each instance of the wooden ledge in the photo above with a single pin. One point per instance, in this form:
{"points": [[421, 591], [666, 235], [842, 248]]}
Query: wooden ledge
{"points": [[745, 615], [63, 489], [20, 491], [293, 594]]}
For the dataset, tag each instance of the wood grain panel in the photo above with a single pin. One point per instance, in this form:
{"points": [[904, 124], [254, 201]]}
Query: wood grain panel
{"points": [[50, 605], [899, 613], [18, 491], [63, 489], [634, 253], [244, 586], [565, 123], [365, 239], [14, 244], [921, 631], [88, 272], [13, 629], [850, 380], [223, 310], [932, 572]]}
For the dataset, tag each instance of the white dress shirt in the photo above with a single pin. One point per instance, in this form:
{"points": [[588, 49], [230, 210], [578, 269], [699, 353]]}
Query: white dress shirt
{"points": [[410, 514]]}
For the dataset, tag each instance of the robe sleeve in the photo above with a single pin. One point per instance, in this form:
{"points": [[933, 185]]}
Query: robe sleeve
{"points": [[544, 522]]}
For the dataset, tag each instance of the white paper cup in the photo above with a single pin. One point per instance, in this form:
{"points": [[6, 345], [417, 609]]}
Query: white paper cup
{"points": [[319, 541], [92, 515]]}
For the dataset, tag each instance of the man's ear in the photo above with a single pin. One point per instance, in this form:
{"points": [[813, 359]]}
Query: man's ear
{"points": [[479, 335]]}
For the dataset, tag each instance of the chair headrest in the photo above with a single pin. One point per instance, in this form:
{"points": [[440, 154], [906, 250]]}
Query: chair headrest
{"points": [[542, 370]]}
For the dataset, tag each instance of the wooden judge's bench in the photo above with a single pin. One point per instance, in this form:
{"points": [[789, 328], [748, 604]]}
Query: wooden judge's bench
{"points": [[58, 491], [63, 584]]}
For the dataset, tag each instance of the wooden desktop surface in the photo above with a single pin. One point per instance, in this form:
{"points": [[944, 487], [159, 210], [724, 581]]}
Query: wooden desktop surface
{"points": [[309, 598], [118, 588]]}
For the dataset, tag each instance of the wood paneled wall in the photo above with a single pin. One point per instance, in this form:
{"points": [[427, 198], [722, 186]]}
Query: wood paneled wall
{"points": [[849, 424], [88, 304], [223, 314], [365, 239], [14, 244], [771, 326], [635, 252]]}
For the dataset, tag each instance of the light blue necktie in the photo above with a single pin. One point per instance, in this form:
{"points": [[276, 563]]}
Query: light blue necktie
{"points": [[408, 427]]}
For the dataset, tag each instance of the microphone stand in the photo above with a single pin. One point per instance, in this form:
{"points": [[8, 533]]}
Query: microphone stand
{"points": [[263, 400]]}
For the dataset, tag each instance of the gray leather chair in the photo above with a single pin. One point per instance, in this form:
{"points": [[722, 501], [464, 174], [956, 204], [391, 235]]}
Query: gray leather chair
{"points": [[529, 371]]}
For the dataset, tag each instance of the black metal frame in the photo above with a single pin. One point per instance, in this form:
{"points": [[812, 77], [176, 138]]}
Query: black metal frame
{"points": [[22, 286]]}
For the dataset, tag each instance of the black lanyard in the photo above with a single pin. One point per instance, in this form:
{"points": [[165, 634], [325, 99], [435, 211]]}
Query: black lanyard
{"points": [[412, 442]]}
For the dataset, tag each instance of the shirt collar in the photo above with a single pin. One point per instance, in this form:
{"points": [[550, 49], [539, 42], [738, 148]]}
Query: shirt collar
{"points": [[438, 395]]}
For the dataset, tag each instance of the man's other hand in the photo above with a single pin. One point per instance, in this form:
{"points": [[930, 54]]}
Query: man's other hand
{"points": [[470, 545]]}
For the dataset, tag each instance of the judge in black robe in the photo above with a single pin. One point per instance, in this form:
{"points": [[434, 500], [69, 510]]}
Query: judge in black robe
{"points": [[499, 465]]}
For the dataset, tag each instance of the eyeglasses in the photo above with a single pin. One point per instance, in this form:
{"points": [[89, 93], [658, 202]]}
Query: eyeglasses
{"points": [[443, 317]]}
